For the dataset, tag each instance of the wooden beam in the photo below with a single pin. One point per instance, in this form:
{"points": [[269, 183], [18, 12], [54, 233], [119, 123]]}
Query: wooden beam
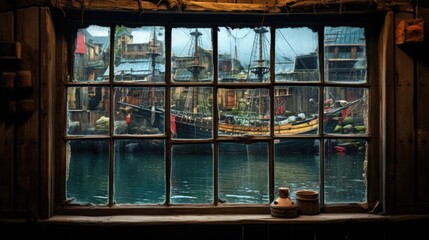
{"points": [[270, 6]]}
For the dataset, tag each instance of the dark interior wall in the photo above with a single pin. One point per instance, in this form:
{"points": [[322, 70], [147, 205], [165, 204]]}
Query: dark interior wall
{"points": [[409, 230], [408, 120], [25, 160]]}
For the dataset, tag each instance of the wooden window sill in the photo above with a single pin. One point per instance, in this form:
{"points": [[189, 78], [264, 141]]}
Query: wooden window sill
{"points": [[146, 220]]}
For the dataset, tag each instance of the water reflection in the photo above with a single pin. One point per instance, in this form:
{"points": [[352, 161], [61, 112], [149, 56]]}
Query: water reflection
{"points": [[140, 177], [139, 174], [243, 178], [192, 178]]}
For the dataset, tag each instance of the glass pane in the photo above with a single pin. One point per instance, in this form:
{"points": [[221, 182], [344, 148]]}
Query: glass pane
{"points": [[259, 63], [139, 54], [345, 171], [139, 172], [192, 55], [243, 173], [299, 170], [192, 174], [345, 55], [91, 54], [244, 54], [296, 111], [192, 112], [139, 110], [244, 111], [346, 110], [297, 57], [88, 110], [87, 171]]}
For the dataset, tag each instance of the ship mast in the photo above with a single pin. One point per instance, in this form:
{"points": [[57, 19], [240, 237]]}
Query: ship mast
{"points": [[153, 53], [260, 70], [195, 68]]}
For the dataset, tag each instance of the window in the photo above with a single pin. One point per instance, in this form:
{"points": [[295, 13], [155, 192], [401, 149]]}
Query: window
{"points": [[214, 116]]}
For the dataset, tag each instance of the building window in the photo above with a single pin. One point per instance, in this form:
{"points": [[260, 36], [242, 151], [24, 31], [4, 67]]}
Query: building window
{"points": [[214, 116]]}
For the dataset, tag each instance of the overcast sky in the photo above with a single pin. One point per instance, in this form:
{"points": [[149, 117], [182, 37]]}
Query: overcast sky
{"points": [[289, 43]]}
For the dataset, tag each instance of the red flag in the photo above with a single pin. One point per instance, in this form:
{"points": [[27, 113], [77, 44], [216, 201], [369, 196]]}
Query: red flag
{"points": [[173, 123], [280, 110], [80, 43], [344, 114], [128, 119]]}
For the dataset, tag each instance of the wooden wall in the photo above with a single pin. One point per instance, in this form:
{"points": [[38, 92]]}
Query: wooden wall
{"points": [[26, 136], [408, 122]]}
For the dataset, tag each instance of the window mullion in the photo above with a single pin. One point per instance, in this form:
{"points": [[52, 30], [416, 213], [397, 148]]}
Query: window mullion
{"points": [[167, 117], [321, 49], [272, 98], [215, 117], [111, 118]]}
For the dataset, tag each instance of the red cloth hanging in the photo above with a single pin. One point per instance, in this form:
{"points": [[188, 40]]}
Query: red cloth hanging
{"points": [[80, 43], [344, 114], [173, 123]]}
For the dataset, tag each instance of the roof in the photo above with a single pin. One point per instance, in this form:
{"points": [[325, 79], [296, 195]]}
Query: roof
{"points": [[344, 35], [136, 67]]}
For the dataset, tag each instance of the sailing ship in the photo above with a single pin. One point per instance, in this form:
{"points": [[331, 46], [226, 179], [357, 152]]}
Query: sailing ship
{"points": [[193, 121]]}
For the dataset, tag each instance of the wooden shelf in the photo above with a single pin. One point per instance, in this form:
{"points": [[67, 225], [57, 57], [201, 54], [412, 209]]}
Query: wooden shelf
{"points": [[10, 50]]}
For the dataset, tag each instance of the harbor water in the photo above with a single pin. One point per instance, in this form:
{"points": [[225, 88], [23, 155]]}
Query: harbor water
{"points": [[140, 177]]}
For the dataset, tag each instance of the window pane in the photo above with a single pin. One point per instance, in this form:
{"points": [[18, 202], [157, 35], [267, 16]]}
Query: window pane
{"points": [[139, 110], [345, 171], [244, 111], [192, 112], [346, 110], [139, 172], [91, 56], [296, 111], [296, 55], [243, 173], [345, 54], [192, 174], [244, 54], [259, 63], [87, 171], [88, 110], [192, 55], [298, 170], [139, 54]]}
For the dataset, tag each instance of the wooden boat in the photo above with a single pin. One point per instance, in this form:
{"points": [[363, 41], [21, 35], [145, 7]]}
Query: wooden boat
{"points": [[188, 123], [185, 125]]}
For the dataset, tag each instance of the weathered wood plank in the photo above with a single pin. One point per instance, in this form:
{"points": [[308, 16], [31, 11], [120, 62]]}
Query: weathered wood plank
{"points": [[387, 127], [405, 175], [47, 84], [237, 5], [6, 125], [62, 63], [272, 6], [27, 124], [423, 118], [151, 220], [228, 7]]}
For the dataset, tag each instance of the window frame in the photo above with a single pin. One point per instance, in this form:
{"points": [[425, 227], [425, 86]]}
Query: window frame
{"points": [[272, 21]]}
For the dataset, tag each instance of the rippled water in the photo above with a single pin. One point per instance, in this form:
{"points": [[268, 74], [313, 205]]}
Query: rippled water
{"points": [[139, 177]]}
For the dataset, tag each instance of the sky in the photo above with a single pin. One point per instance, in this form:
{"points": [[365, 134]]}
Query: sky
{"points": [[289, 43]]}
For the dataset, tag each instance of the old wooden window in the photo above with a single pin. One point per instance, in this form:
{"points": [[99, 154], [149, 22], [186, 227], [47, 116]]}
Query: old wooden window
{"points": [[218, 115]]}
